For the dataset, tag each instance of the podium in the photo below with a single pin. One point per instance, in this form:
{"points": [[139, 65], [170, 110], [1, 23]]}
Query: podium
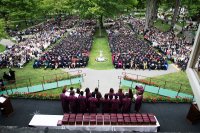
{"points": [[5, 105], [194, 114]]}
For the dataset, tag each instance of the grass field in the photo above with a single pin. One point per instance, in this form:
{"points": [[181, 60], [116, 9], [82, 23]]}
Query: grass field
{"points": [[2, 48], [162, 25], [57, 91], [174, 81], [146, 94], [35, 75], [100, 43]]}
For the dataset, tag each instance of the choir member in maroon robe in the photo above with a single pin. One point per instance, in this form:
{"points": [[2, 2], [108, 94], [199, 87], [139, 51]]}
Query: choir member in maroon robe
{"points": [[97, 93], [93, 104], [64, 101], [111, 92], [105, 104], [78, 91], [72, 102], [98, 96], [138, 101], [82, 103], [71, 89], [126, 104], [88, 95], [115, 105], [130, 93], [120, 94]]}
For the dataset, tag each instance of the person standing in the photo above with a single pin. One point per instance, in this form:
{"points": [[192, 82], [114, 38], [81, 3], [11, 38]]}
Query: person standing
{"points": [[115, 105], [64, 101], [126, 104], [72, 102], [82, 103], [105, 104], [138, 100], [93, 104]]}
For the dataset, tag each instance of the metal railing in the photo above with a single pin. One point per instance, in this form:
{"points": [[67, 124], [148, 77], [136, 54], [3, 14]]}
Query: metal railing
{"points": [[179, 87], [45, 79]]}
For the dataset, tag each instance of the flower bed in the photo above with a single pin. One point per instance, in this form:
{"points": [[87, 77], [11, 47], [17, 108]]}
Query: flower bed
{"points": [[45, 96], [167, 99], [59, 78], [143, 81]]}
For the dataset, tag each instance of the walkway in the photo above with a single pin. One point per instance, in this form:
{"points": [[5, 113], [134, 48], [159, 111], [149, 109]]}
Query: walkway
{"points": [[106, 79], [42, 87], [6, 42]]}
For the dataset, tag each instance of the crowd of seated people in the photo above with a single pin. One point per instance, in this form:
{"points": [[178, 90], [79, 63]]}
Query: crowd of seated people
{"points": [[177, 49], [137, 24], [71, 52], [32, 46], [76, 101], [130, 52], [191, 27]]}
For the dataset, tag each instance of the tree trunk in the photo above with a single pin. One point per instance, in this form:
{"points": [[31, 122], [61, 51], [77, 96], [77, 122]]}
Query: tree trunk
{"points": [[151, 5], [100, 25], [176, 13], [155, 10]]}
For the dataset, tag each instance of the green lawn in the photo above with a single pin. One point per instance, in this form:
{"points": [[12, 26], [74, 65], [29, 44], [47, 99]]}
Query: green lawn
{"points": [[2, 48], [35, 75], [174, 81], [162, 25], [57, 91], [100, 43], [146, 94]]}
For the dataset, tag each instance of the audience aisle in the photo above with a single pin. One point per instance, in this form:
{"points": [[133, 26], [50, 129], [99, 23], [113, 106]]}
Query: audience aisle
{"points": [[171, 116]]}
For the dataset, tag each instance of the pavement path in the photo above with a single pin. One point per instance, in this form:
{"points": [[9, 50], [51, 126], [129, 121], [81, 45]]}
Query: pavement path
{"points": [[6, 42], [106, 79]]}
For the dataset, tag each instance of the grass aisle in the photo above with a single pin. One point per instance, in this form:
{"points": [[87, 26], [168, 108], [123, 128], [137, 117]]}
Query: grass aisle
{"points": [[2, 48], [100, 43]]}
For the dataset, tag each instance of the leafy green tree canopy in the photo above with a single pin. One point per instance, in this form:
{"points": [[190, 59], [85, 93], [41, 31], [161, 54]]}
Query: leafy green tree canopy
{"points": [[101, 8]]}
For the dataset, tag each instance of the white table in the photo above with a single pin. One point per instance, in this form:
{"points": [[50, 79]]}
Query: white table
{"points": [[50, 121]]}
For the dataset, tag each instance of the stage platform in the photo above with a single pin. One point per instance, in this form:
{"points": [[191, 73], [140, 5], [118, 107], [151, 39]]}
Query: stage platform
{"points": [[50, 121]]}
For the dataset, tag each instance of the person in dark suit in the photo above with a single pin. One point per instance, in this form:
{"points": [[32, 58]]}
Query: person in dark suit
{"points": [[115, 105], [93, 104], [64, 101], [82, 103], [105, 104], [72, 102], [12, 74]]}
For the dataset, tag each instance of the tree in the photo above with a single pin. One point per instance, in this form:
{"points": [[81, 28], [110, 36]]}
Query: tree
{"points": [[101, 8], [151, 13], [18, 10], [2, 29], [176, 12], [193, 7]]}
